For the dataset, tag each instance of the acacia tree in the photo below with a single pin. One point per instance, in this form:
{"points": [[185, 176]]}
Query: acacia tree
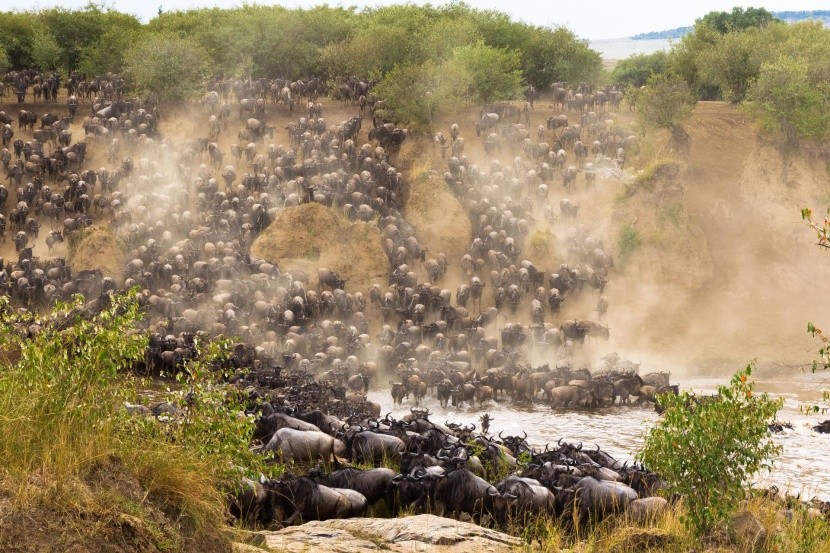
{"points": [[665, 103], [173, 69]]}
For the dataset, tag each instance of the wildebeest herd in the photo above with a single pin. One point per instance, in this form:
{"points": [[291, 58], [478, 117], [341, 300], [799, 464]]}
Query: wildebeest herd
{"points": [[306, 348], [445, 469]]}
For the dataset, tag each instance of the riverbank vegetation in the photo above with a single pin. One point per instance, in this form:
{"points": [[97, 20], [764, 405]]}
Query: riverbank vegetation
{"points": [[77, 462], [82, 452]]}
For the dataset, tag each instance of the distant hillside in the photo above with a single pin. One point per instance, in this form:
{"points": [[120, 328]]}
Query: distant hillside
{"points": [[671, 33], [788, 16]]}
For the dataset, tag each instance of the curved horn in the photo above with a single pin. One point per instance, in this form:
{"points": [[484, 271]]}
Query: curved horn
{"points": [[500, 435], [596, 444], [473, 429], [525, 435], [580, 447], [559, 443]]}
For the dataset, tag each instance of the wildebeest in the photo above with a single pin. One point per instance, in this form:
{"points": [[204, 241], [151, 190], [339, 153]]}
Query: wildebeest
{"points": [[302, 499], [374, 484], [329, 278], [304, 446]]}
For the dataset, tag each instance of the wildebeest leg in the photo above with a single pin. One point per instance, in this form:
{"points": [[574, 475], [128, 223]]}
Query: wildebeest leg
{"points": [[290, 520]]}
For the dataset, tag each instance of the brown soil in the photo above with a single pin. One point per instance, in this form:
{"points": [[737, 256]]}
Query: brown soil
{"points": [[311, 236], [737, 279], [442, 224], [97, 248]]}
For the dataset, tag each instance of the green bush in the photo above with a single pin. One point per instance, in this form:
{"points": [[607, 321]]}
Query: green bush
{"points": [[213, 427], [709, 449], [665, 102], [172, 69], [636, 70], [789, 98], [628, 241]]}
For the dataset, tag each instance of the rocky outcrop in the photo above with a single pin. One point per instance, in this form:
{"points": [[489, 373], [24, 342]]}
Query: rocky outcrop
{"points": [[747, 531], [415, 533]]}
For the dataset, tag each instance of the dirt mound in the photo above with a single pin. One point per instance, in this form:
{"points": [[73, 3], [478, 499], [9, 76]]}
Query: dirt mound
{"points": [[542, 248], [441, 223], [311, 236], [97, 248]]}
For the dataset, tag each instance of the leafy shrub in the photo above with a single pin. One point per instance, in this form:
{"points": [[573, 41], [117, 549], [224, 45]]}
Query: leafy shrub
{"points": [[628, 241], [636, 70], [213, 427], [172, 69], [665, 102], [709, 449]]}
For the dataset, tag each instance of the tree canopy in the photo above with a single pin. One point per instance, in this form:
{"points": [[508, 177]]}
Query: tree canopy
{"points": [[323, 41], [636, 70], [738, 19]]}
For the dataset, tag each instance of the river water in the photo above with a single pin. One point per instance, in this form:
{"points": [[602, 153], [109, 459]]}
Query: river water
{"points": [[801, 468], [621, 48]]}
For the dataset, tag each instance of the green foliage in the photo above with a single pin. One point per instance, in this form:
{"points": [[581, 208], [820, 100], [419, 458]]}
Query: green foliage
{"points": [[557, 55], [628, 241], [58, 389], [636, 70], [326, 42], [709, 449], [77, 31], [738, 19], [4, 59], [791, 95], [494, 73], [46, 52], [214, 427], [822, 230], [107, 55], [17, 35], [424, 92], [665, 102], [172, 69]]}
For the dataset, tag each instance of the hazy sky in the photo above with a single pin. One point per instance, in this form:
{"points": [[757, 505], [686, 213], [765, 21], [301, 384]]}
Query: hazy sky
{"points": [[594, 19]]}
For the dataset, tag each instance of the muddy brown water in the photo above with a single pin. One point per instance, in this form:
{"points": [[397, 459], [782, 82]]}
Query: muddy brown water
{"points": [[803, 467]]}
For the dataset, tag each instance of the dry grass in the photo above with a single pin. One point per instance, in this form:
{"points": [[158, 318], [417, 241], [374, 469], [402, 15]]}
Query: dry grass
{"points": [[71, 477], [667, 534]]}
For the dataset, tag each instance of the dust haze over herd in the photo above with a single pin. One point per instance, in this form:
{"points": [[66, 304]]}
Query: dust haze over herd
{"points": [[327, 262]]}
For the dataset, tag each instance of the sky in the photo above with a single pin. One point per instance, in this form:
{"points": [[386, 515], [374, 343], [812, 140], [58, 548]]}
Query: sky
{"points": [[597, 19]]}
